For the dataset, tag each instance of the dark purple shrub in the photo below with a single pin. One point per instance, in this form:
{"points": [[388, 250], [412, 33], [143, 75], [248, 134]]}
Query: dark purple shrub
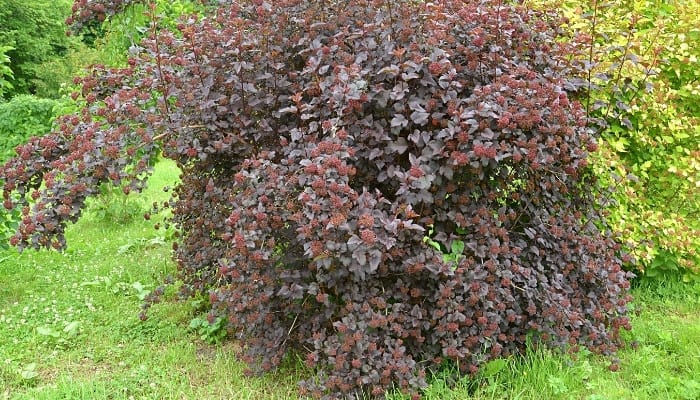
{"points": [[320, 143], [86, 11]]}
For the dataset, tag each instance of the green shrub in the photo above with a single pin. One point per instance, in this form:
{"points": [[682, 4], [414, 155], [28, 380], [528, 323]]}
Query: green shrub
{"points": [[35, 32], [22, 117], [114, 206], [644, 73], [6, 73]]}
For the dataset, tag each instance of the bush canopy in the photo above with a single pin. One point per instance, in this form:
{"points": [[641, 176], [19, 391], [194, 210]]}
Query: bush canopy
{"points": [[377, 186]]}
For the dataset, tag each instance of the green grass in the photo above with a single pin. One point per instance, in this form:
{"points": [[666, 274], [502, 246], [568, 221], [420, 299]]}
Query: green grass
{"points": [[69, 329], [664, 365], [69, 325]]}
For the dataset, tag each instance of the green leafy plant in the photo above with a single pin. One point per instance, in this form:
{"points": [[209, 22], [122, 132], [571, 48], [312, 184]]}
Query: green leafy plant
{"points": [[113, 205], [209, 331], [6, 74], [492, 369], [140, 244], [141, 291], [452, 257], [28, 372], [644, 89], [33, 36], [59, 337], [22, 117]]}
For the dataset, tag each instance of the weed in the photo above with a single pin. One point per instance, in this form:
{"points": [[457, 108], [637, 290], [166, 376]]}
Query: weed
{"points": [[116, 207], [210, 332]]}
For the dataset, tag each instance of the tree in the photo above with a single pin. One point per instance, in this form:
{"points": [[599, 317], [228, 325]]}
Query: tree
{"points": [[35, 31]]}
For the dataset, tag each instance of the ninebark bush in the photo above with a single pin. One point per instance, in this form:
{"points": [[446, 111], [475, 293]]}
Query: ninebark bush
{"points": [[331, 153]]}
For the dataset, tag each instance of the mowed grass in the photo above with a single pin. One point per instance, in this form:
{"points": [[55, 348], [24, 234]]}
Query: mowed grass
{"points": [[664, 362], [69, 325], [69, 329]]}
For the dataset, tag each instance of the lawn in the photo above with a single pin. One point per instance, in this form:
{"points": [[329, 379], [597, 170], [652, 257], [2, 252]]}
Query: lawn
{"points": [[69, 329]]}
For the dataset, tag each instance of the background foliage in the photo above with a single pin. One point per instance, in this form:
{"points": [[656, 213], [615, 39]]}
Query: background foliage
{"points": [[36, 56], [22, 117], [33, 34], [645, 76], [41, 57], [122, 32], [6, 74]]}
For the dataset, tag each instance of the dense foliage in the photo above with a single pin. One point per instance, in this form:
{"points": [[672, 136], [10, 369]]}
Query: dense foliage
{"points": [[33, 34], [37, 57], [21, 118], [119, 32], [6, 74], [645, 75], [331, 153]]}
